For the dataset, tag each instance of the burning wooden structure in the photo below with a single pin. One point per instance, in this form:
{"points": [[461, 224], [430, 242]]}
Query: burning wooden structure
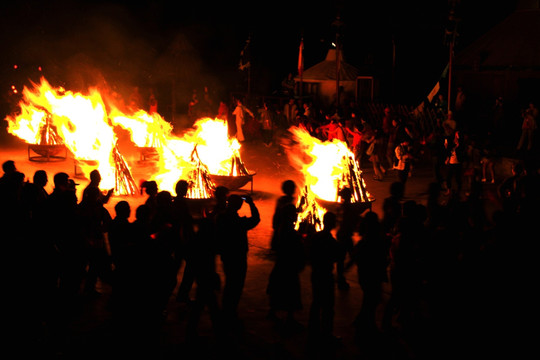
{"points": [[351, 178], [310, 213], [201, 185], [49, 146], [124, 183], [150, 151], [329, 167], [238, 176]]}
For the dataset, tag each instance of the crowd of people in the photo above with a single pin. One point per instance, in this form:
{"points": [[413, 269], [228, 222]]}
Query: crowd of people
{"points": [[445, 262], [453, 272]]}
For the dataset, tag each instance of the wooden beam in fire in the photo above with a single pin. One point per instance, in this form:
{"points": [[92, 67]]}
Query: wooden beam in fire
{"points": [[352, 178], [201, 185], [48, 135], [124, 181], [309, 213], [238, 168]]}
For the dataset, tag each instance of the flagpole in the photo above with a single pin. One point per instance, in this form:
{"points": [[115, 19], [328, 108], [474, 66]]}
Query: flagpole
{"points": [[249, 81], [338, 25], [301, 66], [450, 75], [451, 33]]}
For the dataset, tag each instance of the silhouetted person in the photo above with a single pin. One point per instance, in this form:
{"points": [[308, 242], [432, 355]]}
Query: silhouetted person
{"points": [[435, 209], [94, 220], [120, 232], [510, 190], [184, 227], [323, 253], [203, 267], [233, 249], [370, 256], [288, 187], [405, 268], [11, 186], [151, 190], [284, 289], [34, 195], [95, 180], [123, 257], [137, 293], [63, 231], [66, 234], [34, 259], [348, 222], [392, 207], [220, 205], [165, 241]]}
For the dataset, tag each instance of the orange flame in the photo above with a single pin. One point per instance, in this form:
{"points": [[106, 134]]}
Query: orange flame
{"points": [[80, 120], [328, 166], [87, 129]]}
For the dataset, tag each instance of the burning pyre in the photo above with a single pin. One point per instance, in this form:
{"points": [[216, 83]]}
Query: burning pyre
{"points": [[81, 122], [87, 128], [328, 167], [310, 213], [201, 185]]}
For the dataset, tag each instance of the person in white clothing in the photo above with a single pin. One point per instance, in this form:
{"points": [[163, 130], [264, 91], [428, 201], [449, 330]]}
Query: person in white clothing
{"points": [[239, 113]]}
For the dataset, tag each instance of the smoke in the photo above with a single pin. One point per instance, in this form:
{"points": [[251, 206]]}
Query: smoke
{"points": [[82, 46]]}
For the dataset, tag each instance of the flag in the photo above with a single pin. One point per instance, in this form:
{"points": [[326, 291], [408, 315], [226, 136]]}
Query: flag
{"points": [[419, 109], [245, 61], [301, 58], [445, 71], [434, 91]]}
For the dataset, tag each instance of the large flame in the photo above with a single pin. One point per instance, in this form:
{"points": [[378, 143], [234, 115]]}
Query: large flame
{"points": [[86, 125], [328, 166], [80, 120], [310, 213]]}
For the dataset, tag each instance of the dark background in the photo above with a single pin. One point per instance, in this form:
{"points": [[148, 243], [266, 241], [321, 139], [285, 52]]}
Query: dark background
{"points": [[175, 47]]}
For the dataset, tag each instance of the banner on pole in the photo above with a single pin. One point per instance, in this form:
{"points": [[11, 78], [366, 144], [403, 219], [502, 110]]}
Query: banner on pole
{"points": [[301, 58]]}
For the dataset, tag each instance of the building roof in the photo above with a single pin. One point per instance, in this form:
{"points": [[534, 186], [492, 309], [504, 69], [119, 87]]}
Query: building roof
{"points": [[326, 70]]}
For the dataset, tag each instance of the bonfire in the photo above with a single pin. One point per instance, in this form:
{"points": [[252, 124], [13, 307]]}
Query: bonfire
{"points": [[328, 167], [124, 182], [201, 185], [310, 213]]}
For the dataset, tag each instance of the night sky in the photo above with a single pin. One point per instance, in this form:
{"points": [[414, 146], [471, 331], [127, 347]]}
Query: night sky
{"points": [[150, 43]]}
